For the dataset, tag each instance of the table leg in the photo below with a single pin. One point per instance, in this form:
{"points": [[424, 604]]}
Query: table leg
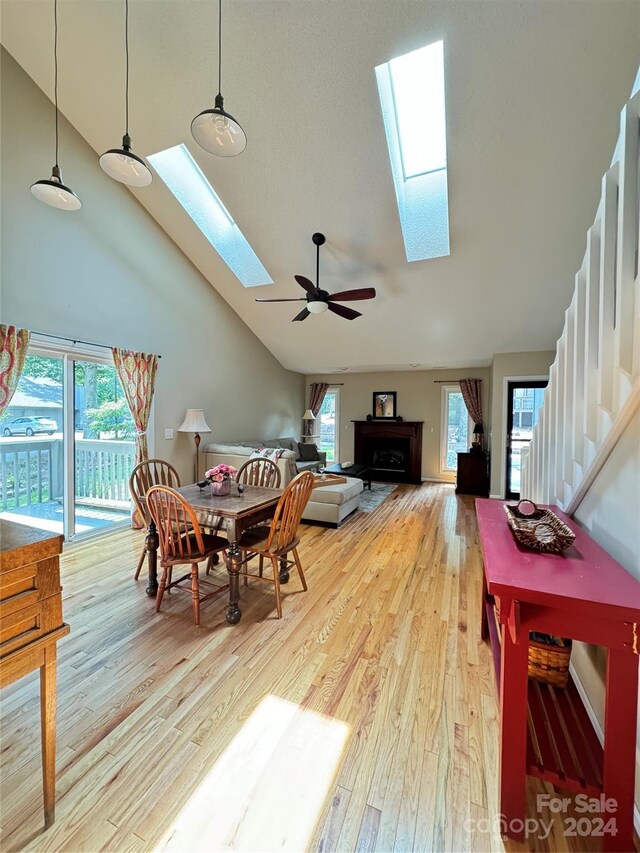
{"points": [[484, 626], [151, 543], [620, 745], [513, 729], [233, 558], [48, 732]]}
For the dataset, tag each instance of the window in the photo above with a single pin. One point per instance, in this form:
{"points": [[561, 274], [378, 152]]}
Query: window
{"points": [[182, 175], [456, 427], [329, 425], [67, 445], [412, 100]]}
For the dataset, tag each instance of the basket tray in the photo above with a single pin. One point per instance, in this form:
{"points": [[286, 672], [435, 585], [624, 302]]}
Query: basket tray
{"points": [[540, 530]]}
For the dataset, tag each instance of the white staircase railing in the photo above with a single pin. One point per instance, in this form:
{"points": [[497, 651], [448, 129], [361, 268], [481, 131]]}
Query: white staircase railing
{"points": [[594, 382]]}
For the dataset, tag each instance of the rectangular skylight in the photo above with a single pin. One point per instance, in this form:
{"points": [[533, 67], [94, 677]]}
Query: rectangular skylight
{"points": [[412, 100], [417, 81], [182, 175]]}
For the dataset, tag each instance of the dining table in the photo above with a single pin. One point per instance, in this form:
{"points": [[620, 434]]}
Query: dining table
{"points": [[232, 513]]}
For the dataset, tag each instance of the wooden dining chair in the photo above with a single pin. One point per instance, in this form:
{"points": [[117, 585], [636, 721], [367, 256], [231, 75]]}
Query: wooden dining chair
{"points": [[151, 472], [259, 472], [182, 542], [279, 539]]}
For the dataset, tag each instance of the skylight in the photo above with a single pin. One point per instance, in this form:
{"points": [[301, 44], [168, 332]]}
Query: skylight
{"points": [[182, 175], [412, 100]]}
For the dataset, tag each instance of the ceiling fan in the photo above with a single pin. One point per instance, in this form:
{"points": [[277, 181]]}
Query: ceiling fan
{"points": [[318, 301]]}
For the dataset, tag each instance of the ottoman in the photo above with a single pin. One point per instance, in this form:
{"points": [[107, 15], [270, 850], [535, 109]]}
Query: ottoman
{"points": [[332, 504]]}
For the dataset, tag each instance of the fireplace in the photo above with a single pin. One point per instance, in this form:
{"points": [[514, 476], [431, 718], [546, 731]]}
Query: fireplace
{"points": [[392, 450]]}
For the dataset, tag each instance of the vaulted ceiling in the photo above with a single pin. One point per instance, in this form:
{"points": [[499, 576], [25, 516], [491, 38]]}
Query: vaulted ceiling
{"points": [[533, 95]]}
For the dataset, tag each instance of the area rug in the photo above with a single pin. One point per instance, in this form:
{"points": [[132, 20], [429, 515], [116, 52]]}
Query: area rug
{"points": [[371, 499]]}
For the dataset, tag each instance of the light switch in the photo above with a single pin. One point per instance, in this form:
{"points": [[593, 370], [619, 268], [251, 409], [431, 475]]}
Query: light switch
{"points": [[168, 433]]}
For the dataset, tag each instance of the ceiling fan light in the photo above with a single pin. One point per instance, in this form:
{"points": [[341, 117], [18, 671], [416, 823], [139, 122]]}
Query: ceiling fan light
{"points": [[218, 132], [317, 307], [123, 165], [54, 193]]}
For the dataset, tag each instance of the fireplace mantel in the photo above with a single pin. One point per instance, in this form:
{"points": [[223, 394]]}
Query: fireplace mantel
{"points": [[368, 434]]}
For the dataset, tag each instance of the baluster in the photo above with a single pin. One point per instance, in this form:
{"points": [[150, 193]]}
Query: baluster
{"points": [[4, 484], [39, 474], [559, 408], [577, 450], [568, 406], [607, 294], [591, 339], [16, 477], [27, 477], [627, 241]]}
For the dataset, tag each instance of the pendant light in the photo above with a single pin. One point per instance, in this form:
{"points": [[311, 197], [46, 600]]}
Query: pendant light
{"points": [[216, 130], [53, 191], [122, 164]]}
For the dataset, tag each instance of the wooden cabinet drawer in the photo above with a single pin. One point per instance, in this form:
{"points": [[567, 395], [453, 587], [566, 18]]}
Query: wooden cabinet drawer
{"points": [[24, 625]]}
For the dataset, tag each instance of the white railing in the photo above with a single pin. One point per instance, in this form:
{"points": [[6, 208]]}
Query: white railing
{"points": [[103, 469], [31, 471], [594, 382]]}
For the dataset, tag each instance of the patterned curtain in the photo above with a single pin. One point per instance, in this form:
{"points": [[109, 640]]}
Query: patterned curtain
{"points": [[316, 397], [13, 351], [472, 396], [137, 374]]}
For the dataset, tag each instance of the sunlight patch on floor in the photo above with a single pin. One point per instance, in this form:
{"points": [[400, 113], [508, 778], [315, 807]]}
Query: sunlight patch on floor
{"points": [[268, 787]]}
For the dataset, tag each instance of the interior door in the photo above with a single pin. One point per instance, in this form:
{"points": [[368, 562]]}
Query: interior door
{"points": [[523, 402]]}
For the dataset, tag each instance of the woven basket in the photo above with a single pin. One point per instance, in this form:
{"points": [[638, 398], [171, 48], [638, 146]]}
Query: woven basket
{"points": [[540, 530], [549, 659]]}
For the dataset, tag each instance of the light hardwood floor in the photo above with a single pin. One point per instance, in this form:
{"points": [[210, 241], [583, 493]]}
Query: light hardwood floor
{"points": [[365, 719]]}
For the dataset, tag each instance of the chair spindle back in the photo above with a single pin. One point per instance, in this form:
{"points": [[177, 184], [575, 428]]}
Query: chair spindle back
{"points": [[177, 524], [260, 472], [151, 472], [286, 518]]}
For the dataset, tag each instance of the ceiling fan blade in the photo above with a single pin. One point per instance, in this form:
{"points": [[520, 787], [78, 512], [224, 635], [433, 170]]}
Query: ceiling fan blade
{"points": [[302, 315], [298, 299], [353, 295], [305, 284], [343, 311]]}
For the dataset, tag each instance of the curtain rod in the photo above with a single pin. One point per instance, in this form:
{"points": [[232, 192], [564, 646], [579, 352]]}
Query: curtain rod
{"points": [[449, 381], [71, 340]]}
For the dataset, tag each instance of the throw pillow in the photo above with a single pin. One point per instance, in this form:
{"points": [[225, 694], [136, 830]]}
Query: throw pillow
{"points": [[308, 451], [267, 453]]}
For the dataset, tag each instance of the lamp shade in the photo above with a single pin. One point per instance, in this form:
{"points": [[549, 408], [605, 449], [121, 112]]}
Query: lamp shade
{"points": [[123, 165], [308, 416], [478, 429], [194, 422], [317, 306], [218, 132], [54, 193]]}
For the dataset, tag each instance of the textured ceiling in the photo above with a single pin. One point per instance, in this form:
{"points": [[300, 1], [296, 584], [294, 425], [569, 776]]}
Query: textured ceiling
{"points": [[533, 93]]}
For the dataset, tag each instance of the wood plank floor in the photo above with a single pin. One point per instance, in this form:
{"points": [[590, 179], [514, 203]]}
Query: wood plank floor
{"points": [[365, 719]]}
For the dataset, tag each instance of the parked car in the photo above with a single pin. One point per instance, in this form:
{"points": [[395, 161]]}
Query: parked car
{"points": [[30, 426]]}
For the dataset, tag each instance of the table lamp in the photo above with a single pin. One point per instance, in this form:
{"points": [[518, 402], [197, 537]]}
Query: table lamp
{"points": [[478, 432], [308, 416], [194, 422]]}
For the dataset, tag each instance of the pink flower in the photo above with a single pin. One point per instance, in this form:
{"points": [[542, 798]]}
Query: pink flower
{"points": [[220, 472]]}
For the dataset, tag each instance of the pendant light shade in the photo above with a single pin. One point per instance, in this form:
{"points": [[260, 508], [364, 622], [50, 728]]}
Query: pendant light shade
{"points": [[53, 191], [122, 164], [216, 130]]}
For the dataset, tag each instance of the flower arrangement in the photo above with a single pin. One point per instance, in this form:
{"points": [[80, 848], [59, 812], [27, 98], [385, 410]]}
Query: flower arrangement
{"points": [[219, 473]]}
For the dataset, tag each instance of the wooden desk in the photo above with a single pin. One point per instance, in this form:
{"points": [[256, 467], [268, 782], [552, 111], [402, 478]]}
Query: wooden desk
{"points": [[586, 595], [236, 513], [31, 625]]}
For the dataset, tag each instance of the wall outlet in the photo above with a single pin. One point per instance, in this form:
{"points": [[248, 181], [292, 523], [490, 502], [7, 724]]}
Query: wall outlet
{"points": [[168, 433]]}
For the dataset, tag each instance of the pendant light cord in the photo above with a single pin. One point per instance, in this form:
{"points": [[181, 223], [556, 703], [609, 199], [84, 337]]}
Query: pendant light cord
{"points": [[318, 267], [55, 66], [219, 47], [126, 50]]}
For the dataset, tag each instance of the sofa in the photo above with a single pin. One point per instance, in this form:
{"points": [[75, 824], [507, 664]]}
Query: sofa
{"points": [[294, 459]]}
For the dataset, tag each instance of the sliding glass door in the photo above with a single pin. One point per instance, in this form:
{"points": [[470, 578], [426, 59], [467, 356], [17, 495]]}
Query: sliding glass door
{"points": [[67, 446]]}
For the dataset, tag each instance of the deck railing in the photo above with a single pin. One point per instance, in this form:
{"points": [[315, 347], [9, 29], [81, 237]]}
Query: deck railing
{"points": [[32, 471]]}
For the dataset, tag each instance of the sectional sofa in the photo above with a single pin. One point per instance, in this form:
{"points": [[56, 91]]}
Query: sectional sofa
{"points": [[291, 462]]}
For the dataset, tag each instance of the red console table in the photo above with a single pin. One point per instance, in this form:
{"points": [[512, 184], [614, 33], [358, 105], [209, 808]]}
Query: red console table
{"points": [[586, 595]]}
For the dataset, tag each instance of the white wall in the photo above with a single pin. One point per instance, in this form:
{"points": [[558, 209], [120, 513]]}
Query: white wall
{"points": [[610, 512], [418, 399], [109, 274]]}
